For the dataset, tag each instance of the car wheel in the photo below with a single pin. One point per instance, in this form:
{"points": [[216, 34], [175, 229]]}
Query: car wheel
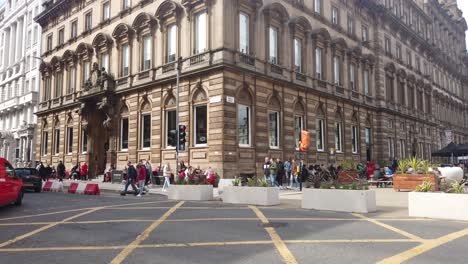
{"points": [[19, 200]]}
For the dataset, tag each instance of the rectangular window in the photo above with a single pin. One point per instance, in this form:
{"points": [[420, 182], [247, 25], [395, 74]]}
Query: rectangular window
{"points": [[365, 34], [145, 131], [334, 15], [273, 40], [171, 43], [56, 141], [352, 77], [49, 42], [418, 64], [273, 129], [125, 4], [86, 71], [58, 84], [350, 25], [318, 6], [298, 127], [243, 124], [87, 25], [388, 48], [61, 36], [391, 148], [45, 141], [84, 141], [336, 70], [338, 137], [69, 140], [146, 52], [409, 59], [74, 29], [106, 11], [201, 136], [171, 129], [354, 139], [17, 149], [125, 60], [124, 134], [200, 33], [398, 52], [244, 33], [297, 55], [71, 79], [320, 135], [366, 82], [318, 63], [105, 61]]}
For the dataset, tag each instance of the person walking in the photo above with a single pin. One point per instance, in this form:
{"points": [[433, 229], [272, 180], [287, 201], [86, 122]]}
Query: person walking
{"points": [[279, 177], [149, 169], [84, 171], [266, 168], [141, 178], [42, 172], [293, 173], [304, 176], [60, 170], [167, 176], [287, 170], [131, 177], [273, 173]]}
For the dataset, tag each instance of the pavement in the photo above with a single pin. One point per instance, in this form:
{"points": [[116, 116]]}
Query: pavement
{"points": [[68, 228]]}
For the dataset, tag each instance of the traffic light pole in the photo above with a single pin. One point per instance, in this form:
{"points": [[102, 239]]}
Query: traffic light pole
{"points": [[179, 68]]}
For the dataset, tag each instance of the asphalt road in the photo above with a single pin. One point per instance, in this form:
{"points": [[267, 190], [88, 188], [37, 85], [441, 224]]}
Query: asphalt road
{"points": [[65, 228]]}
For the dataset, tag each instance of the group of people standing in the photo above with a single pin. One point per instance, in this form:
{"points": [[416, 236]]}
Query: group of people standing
{"points": [[141, 175], [77, 172], [280, 173]]}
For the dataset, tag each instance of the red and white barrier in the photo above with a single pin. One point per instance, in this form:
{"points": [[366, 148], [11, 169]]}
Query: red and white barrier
{"points": [[47, 186], [57, 186], [81, 188], [75, 187], [72, 188], [92, 189]]}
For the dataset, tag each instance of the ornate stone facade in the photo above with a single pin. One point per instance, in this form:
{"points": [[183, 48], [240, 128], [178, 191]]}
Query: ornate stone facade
{"points": [[254, 74]]}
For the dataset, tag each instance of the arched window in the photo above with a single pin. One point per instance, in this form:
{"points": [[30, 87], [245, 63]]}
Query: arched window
{"points": [[168, 14], [200, 113], [145, 25], [170, 121], [339, 48], [46, 72], [339, 131], [124, 128], [45, 138], [57, 67], [102, 43], [84, 53], [69, 59], [320, 128], [69, 141], [145, 125], [198, 13], [123, 34], [244, 117], [300, 30], [275, 17], [274, 118], [321, 38], [247, 14], [299, 120]]}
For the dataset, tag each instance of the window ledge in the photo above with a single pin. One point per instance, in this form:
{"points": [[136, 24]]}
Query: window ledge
{"points": [[245, 146]]}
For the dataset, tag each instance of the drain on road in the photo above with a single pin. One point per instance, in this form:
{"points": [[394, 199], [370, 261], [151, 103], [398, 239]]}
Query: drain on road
{"points": [[275, 224]]}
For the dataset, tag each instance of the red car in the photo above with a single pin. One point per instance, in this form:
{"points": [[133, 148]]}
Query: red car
{"points": [[11, 186]]}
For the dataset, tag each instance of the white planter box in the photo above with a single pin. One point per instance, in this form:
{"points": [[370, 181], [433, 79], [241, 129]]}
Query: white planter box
{"points": [[353, 201], [438, 205], [190, 192], [251, 195]]}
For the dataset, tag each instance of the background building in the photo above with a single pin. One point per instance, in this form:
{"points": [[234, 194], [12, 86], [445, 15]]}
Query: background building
{"points": [[19, 79], [370, 79]]}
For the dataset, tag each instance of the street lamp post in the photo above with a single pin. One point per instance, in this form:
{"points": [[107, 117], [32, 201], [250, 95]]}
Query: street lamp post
{"points": [[179, 68]]}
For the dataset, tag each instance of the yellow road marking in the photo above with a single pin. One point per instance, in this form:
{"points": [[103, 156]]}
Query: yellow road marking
{"points": [[205, 244], [16, 239], [126, 251], [426, 246], [281, 247], [389, 227]]}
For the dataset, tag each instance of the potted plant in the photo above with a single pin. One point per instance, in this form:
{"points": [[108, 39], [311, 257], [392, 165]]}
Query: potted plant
{"points": [[256, 192], [349, 172], [337, 197], [452, 204], [193, 187], [412, 173]]}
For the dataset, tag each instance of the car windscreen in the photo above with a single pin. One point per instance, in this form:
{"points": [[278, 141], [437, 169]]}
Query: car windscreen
{"points": [[25, 172]]}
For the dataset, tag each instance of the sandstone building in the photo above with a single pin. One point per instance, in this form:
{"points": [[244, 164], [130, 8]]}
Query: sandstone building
{"points": [[370, 79]]}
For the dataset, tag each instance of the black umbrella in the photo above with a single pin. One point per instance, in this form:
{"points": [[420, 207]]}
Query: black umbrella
{"points": [[447, 151]]}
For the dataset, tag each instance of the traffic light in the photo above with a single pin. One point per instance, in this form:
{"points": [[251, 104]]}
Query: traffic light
{"points": [[182, 134]]}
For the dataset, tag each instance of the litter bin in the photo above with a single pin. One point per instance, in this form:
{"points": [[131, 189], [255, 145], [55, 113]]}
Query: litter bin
{"points": [[117, 176]]}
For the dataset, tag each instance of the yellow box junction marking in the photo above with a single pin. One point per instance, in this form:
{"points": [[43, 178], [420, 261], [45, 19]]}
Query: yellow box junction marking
{"points": [[389, 227], [127, 250], [281, 247], [426, 246]]}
